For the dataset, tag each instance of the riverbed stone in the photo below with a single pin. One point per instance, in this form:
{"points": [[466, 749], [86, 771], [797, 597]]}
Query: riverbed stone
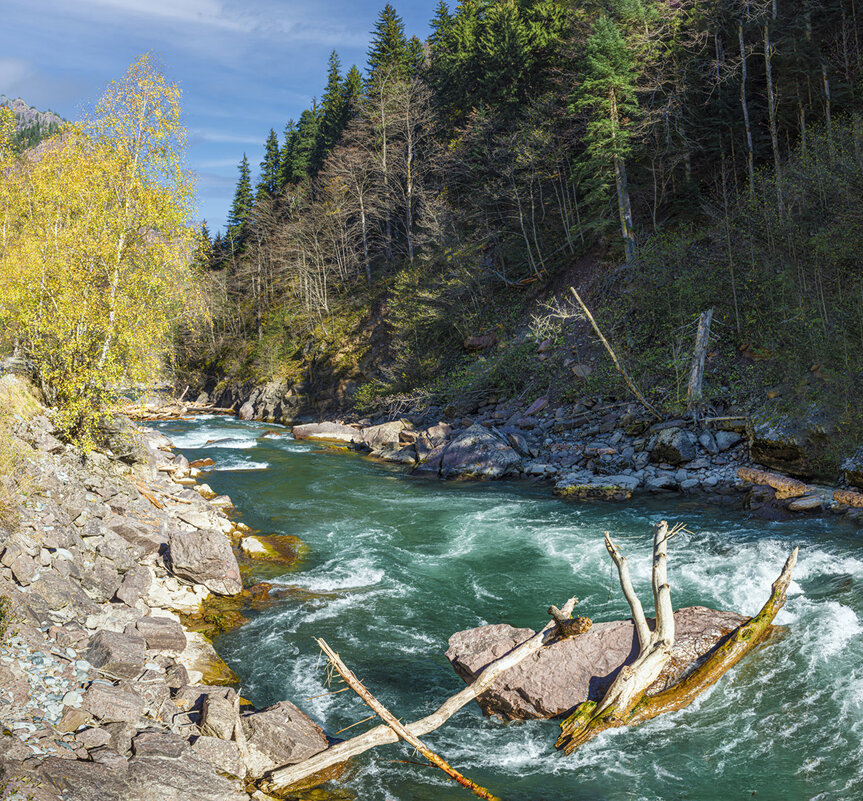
{"points": [[328, 431], [674, 446], [478, 453], [579, 668], [205, 557], [135, 586], [117, 655], [218, 717], [385, 433], [221, 753], [280, 735]]}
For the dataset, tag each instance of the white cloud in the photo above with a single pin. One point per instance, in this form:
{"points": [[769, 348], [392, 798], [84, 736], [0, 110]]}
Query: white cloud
{"points": [[14, 73], [198, 12]]}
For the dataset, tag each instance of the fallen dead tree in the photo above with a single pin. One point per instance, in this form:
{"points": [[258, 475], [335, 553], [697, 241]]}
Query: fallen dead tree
{"points": [[637, 694], [171, 410], [628, 701]]}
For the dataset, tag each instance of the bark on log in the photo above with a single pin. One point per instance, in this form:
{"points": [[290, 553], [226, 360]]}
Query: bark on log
{"points": [[584, 723], [379, 709], [785, 487], [696, 373], [285, 777]]}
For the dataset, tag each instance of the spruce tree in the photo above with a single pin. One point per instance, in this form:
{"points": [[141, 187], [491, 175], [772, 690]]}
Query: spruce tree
{"points": [[389, 50], [286, 156], [352, 90], [242, 204], [268, 186], [303, 149], [332, 114], [607, 94]]}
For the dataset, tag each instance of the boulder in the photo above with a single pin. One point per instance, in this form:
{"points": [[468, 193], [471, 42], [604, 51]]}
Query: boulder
{"points": [[135, 586], [221, 753], [674, 446], [384, 434], [205, 557], [218, 716], [111, 704], [117, 655], [852, 469], [396, 452], [579, 668], [247, 411], [161, 633], [328, 431], [23, 569], [725, 440], [478, 453], [795, 447], [280, 735]]}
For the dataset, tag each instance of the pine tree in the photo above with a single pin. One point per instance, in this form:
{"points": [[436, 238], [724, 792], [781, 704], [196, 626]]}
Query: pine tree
{"points": [[389, 50], [352, 90], [268, 186], [242, 204]]}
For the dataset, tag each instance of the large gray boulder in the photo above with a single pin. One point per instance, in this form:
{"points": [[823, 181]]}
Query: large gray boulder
{"points": [[852, 469], [674, 446], [384, 434], [334, 432], [579, 668], [280, 735], [205, 557], [478, 453], [795, 446]]}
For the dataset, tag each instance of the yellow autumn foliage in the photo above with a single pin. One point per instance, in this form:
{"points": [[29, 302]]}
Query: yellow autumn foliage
{"points": [[95, 246]]}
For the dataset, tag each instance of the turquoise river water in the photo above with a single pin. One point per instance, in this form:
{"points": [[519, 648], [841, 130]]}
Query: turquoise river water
{"points": [[395, 565]]}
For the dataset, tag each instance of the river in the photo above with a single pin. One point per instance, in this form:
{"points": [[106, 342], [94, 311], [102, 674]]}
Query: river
{"points": [[396, 564]]}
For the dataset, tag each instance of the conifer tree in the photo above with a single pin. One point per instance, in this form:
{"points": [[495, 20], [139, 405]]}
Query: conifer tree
{"points": [[389, 50], [242, 203], [332, 114], [268, 186], [352, 89], [303, 148], [607, 94], [286, 155]]}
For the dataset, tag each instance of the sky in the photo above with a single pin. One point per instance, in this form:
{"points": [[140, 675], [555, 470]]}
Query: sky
{"points": [[243, 67]]}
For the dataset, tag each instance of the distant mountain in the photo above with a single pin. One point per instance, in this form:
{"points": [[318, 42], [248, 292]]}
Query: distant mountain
{"points": [[31, 125]]}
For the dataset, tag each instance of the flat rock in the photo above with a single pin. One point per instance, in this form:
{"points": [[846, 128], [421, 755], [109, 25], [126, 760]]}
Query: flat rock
{"points": [[161, 633], [111, 704], [383, 434], [579, 668], [328, 431], [221, 753], [205, 557], [585, 486]]}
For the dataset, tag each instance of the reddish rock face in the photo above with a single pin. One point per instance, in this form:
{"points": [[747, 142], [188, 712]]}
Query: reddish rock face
{"points": [[579, 668]]}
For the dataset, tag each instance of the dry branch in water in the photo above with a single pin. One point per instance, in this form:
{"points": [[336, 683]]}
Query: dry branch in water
{"points": [[387, 717]]}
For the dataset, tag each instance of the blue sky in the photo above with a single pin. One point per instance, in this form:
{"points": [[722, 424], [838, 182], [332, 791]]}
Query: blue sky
{"points": [[244, 67]]}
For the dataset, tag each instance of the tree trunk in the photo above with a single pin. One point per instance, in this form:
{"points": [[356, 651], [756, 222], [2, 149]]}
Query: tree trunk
{"points": [[696, 373], [750, 155]]}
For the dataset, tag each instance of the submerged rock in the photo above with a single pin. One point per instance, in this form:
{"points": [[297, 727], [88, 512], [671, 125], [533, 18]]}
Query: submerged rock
{"points": [[578, 668]]}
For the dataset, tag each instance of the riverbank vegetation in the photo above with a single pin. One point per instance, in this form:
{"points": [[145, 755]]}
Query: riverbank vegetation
{"points": [[664, 157], [95, 247]]}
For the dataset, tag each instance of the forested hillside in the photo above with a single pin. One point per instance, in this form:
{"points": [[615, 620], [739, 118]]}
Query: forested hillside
{"points": [[31, 125], [416, 229]]}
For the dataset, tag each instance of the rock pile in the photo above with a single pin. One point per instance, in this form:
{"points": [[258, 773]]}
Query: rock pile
{"points": [[103, 692]]}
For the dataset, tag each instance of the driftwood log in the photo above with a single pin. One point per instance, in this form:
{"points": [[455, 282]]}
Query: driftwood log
{"points": [[785, 487], [627, 701]]}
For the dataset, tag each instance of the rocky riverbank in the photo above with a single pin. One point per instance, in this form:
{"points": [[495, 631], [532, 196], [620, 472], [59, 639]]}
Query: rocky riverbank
{"points": [[594, 452], [104, 692]]}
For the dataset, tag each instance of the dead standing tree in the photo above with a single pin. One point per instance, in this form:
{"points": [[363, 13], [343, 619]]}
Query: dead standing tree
{"points": [[627, 702]]}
